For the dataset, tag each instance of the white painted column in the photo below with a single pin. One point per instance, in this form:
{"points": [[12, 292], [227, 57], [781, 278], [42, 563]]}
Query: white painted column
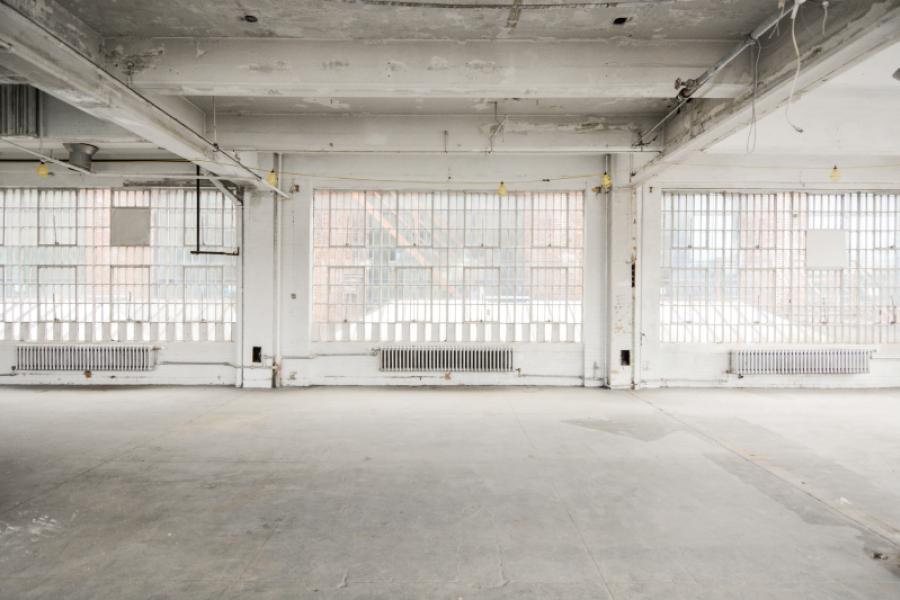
{"points": [[594, 300], [649, 281], [259, 288], [621, 249], [296, 319]]}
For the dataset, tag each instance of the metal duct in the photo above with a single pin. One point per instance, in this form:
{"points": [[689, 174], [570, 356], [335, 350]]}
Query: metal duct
{"points": [[20, 110], [80, 155]]}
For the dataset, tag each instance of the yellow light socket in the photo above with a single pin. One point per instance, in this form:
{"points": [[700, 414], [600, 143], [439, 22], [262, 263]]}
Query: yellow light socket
{"points": [[42, 170], [502, 190], [835, 175], [606, 182], [272, 178]]}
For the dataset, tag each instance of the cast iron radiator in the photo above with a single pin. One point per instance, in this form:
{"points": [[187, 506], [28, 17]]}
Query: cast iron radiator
{"points": [[801, 361], [83, 357], [482, 359]]}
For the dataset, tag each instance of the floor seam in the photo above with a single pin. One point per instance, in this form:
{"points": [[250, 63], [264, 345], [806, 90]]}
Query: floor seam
{"points": [[584, 543], [727, 447], [253, 560]]}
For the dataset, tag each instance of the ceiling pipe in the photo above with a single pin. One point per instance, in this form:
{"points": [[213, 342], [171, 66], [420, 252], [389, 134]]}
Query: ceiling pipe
{"points": [[225, 191], [687, 89], [47, 158]]}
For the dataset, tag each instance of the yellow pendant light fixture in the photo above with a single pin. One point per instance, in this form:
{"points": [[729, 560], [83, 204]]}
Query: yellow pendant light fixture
{"points": [[502, 190], [835, 175], [606, 182]]}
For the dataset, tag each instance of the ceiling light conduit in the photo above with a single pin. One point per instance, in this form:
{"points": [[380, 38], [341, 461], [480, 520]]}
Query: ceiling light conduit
{"points": [[687, 88]]}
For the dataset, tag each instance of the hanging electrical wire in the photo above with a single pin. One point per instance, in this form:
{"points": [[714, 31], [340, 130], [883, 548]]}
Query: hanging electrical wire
{"points": [[756, 51], [498, 126], [787, 109]]}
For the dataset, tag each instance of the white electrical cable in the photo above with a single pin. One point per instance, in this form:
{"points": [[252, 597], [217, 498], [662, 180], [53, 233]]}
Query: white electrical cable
{"points": [[787, 110], [752, 131]]}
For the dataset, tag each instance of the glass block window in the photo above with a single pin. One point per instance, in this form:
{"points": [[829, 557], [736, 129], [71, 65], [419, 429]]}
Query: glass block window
{"points": [[62, 280], [432, 266], [743, 268]]}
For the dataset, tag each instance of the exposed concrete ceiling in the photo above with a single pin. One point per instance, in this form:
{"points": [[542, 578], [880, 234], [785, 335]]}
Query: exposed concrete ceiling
{"points": [[391, 20], [578, 84]]}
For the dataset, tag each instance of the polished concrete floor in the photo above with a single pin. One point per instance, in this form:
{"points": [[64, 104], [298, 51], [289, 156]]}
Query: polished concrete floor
{"points": [[450, 493]]}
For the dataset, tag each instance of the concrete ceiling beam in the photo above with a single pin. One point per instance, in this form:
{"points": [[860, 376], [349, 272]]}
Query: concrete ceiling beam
{"points": [[365, 133], [619, 68], [854, 30], [39, 46], [429, 134]]}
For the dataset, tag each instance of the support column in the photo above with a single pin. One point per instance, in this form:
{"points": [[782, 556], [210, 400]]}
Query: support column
{"points": [[296, 292], [594, 336], [258, 320], [621, 251]]}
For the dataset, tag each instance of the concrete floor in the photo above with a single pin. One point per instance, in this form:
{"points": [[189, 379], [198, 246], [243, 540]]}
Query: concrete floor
{"points": [[408, 493]]}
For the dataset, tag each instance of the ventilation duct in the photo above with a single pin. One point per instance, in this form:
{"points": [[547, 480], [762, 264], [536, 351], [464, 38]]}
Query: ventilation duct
{"points": [[20, 110], [80, 155]]}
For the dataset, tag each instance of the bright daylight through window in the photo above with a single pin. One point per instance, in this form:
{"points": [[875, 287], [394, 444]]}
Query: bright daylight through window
{"points": [[68, 275], [786, 267], [448, 266]]}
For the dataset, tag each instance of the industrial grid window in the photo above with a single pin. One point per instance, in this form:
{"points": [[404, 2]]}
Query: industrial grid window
{"points": [[735, 268], [422, 266], [62, 280]]}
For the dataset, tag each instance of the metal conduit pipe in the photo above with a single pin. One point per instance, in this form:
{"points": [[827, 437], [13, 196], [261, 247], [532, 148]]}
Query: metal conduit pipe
{"points": [[226, 192], [278, 166], [607, 284], [46, 157], [197, 199], [691, 86]]}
